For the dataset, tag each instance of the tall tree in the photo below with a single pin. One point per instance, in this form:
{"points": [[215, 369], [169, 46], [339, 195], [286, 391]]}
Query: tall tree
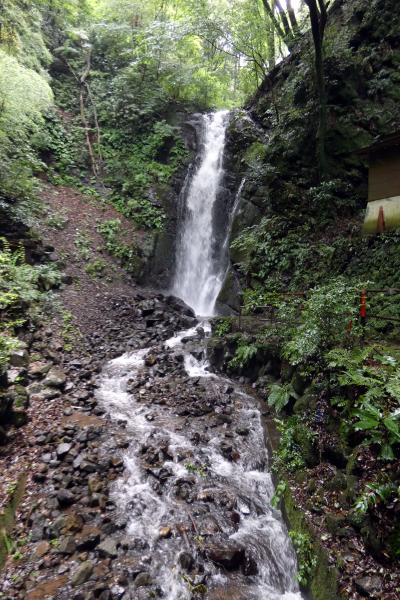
{"points": [[284, 20], [318, 17]]}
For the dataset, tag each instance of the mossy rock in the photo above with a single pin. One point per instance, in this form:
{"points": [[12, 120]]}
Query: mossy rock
{"points": [[335, 522], [7, 517], [338, 482], [324, 577], [303, 437], [255, 154], [308, 401], [299, 382]]}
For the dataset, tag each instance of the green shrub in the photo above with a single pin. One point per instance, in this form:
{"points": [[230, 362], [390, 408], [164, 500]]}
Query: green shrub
{"points": [[370, 378], [21, 288], [222, 327], [279, 396], [111, 232], [243, 355], [96, 268], [323, 321], [306, 558], [288, 456]]}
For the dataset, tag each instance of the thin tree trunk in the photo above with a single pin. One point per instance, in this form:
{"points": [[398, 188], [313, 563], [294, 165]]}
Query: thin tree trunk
{"points": [[271, 46], [270, 12], [284, 19], [84, 84], [87, 132], [292, 16]]}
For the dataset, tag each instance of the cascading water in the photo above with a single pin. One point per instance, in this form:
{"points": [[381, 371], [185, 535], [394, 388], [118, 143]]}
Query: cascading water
{"points": [[199, 264], [233, 543]]}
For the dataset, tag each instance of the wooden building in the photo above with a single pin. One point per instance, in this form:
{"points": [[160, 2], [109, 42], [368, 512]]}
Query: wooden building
{"points": [[383, 209]]}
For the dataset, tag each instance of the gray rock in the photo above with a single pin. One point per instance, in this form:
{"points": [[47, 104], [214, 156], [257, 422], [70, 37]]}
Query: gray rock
{"points": [[66, 546], [117, 591], [370, 586], [65, 498], [19, 358], [229, 555], [55, 378], [63, 449], [39, 369], [143, 579], [82, 574], [108, 548]]}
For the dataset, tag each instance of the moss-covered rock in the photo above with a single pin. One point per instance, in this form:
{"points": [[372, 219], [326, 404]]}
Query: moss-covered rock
{"points": [[323, 580], [306, 442]]}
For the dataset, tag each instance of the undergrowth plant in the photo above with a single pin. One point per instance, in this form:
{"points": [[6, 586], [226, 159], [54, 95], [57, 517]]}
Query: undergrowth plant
{"points": [[370, 380], [111, 231], [288, 457], [306, 559], [245, 351], [22, 287]]}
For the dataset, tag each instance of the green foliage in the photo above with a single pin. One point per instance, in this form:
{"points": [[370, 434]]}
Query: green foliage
{"points": [[306, 557], [222, 327], [376, 494], [112, 233], [278, 494], [279, 396], [243, 355], [288, 456], [57, 221], [323, 321], [24, 97], [382, 429], [277, 252], [330, 199], [69, 331], [141, 170], [370, 376], [83, 244], [199, 470], [21, 288], [96, 268]]}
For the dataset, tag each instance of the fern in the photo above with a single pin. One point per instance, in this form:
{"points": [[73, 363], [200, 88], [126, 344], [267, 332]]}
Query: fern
{"points": [[280, 395], [243, 355]]}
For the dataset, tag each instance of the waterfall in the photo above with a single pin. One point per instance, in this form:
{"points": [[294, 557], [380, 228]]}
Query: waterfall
{"points": [[200, 265]]}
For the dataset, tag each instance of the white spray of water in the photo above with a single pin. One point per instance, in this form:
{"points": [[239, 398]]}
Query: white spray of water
{"points": [[199, 275]]}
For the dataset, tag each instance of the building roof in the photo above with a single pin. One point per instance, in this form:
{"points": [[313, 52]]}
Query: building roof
{"points": [[382, 142]]}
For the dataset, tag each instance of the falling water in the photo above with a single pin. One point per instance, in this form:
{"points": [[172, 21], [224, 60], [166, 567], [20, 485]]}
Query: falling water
{"points": [[199, 265], [199, 276]]}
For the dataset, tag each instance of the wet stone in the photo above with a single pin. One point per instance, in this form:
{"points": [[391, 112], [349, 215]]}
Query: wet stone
{"points": [[63, 449], [108, 548], [143, 579], [369, 586], [65, 498], [228, 555], [82, 574], [186, 561], [66, 546]]}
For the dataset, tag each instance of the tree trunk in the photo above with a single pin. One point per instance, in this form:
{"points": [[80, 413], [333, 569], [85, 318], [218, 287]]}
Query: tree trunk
{"points": [[292, 16], [284, 19], [271, 46]]}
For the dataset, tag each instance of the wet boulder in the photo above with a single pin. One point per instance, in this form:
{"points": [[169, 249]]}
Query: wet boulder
{"points": [[227, 554]]}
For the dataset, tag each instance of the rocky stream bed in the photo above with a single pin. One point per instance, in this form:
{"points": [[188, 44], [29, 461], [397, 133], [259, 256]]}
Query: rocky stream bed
{"points": [[148, 476]]}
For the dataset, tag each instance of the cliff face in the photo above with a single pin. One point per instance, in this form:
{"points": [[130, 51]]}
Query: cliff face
{"points": [[273, 147]]}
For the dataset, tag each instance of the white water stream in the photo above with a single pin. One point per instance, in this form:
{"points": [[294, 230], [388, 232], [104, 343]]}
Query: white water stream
{"points": [[198, 281], [199, 270]]}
